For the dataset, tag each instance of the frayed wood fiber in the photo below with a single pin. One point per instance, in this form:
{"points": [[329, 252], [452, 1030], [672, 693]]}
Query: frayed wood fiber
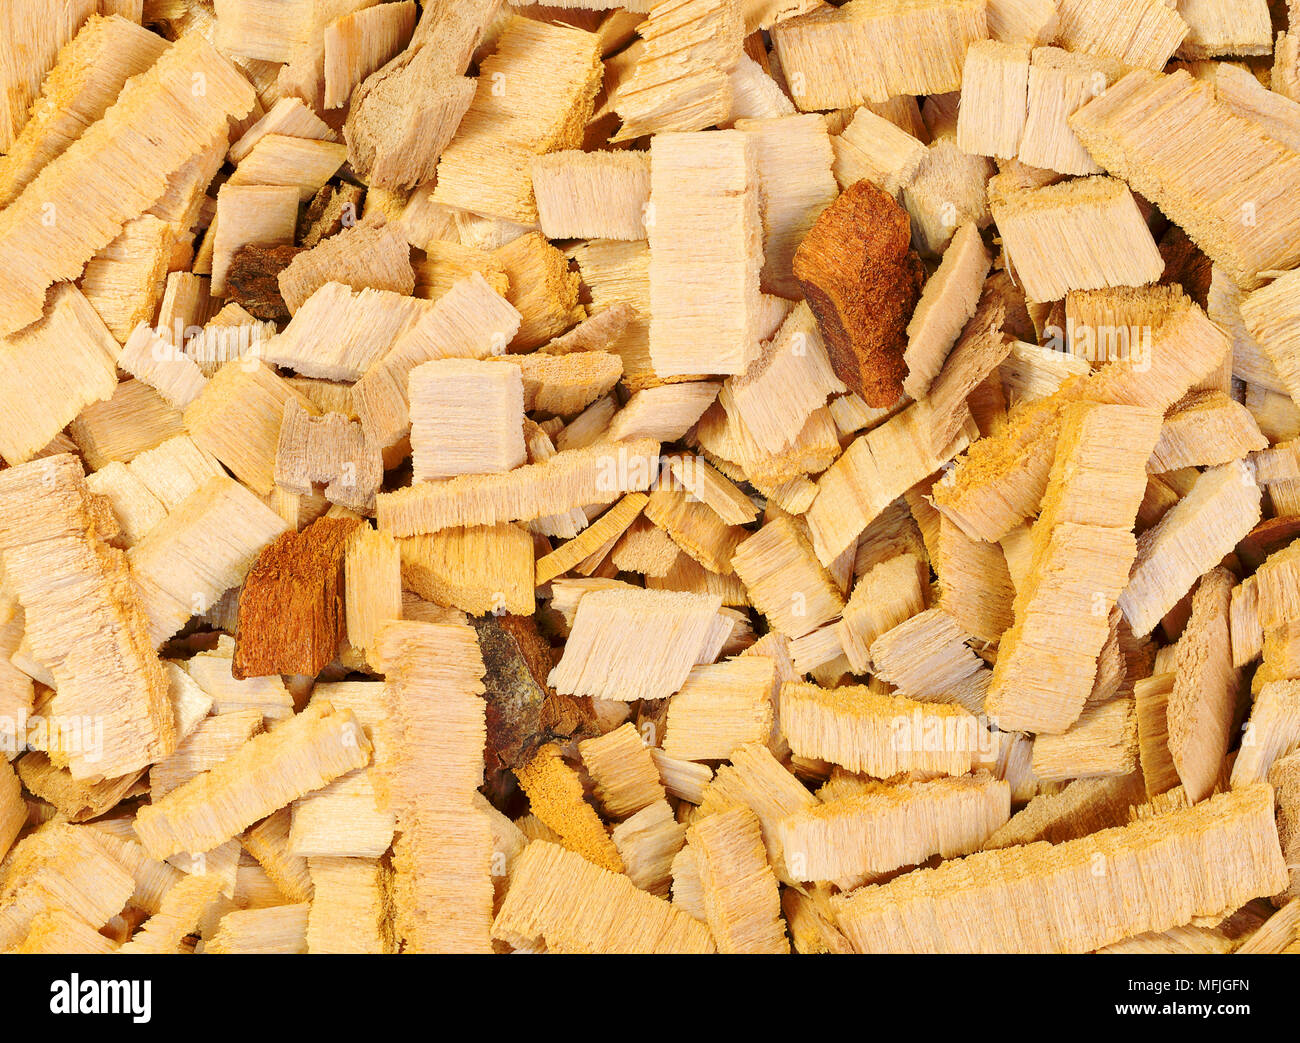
{"points": [[113, 172]]}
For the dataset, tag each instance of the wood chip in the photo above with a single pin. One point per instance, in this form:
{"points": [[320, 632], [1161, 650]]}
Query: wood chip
{"points": [[1219, 874], [572, 905], [1098, 211], [309, 750], [741, 901], [436, 727], [634, 644], [866, 52], [85, 621], [859, 837], [876, 734], [692, 175], [1188, 175]]}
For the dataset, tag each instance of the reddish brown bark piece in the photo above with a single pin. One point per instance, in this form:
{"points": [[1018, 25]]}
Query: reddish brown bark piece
{"points": [[252, 279], [291, 618], [523, 711], [862, 280]]}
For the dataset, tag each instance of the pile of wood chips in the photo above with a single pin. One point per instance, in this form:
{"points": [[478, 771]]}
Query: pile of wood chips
{"points": [[650, 476]]}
